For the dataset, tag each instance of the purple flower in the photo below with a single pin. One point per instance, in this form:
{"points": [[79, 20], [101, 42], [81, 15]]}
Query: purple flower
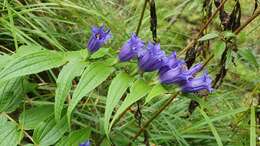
{"points": [[152, 58], [175, 71], [177, 75], [87, 143], [171, 62], [98, 38], [131, 48], [197, 84]]}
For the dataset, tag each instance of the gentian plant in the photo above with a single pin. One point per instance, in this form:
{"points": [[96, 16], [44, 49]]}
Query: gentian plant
{"points": [[58, 89]]}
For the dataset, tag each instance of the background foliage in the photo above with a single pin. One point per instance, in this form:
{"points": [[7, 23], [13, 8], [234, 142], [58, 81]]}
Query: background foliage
{"points": [[52, 93]]}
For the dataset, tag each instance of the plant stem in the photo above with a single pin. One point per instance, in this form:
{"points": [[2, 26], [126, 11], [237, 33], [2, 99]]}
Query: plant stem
{"points": [[137, 32], [206, 62], [193, 42], [141, 18], [120, 117], [257, 13], [156, 114]]}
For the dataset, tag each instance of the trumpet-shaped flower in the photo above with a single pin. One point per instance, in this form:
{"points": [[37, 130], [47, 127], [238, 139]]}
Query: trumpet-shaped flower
{"points": [[171, 62], [98, 38], [151, 59], [87, 143], [175, 71], [131, 48], [198, 84]]}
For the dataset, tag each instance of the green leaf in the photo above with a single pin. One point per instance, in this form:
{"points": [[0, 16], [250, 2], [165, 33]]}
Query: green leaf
{"points": [[212, 127], [93, 76], [100, 53], [253, 127], [49, 132], [110, 61], [248, 56], [32, 117], [4, 59], [75, 138], [76, 56], [10, 93], [218, 48], [229, 113], [242, 37], [208, 36], [28, 144], [32, 63], [27, 49], [138, 90], [9, 133], [116, 90], [106, 142], [229, 34], [156, 91], [229, 58], [64, 83]]}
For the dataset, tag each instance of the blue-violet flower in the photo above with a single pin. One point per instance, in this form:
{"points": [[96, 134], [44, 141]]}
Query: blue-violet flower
{"points": [[98, 38], [175, 71], [198, 84], [131, 48], [87, 143], [171, 62], [152, 58]]}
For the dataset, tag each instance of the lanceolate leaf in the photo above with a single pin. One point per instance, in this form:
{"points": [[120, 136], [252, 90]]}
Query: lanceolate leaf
{"points": [[74, 56], [27, 49], [156, 91], [218, 47], [49, 132], [9, 133], [208, 36], [116, 90], [100, 53], [4, 59], [32, 117], [138, 90], [93, 76], [229, 58], [32, 63], [75, 138], [64, 83], [10, 91]]}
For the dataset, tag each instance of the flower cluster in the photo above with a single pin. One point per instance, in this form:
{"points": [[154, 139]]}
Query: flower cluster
{"points": [[151, 58], [171, 70]]}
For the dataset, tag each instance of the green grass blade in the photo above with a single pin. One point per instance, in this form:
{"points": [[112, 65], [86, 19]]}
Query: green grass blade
{"points": [[252, 127], [212, 127]]}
